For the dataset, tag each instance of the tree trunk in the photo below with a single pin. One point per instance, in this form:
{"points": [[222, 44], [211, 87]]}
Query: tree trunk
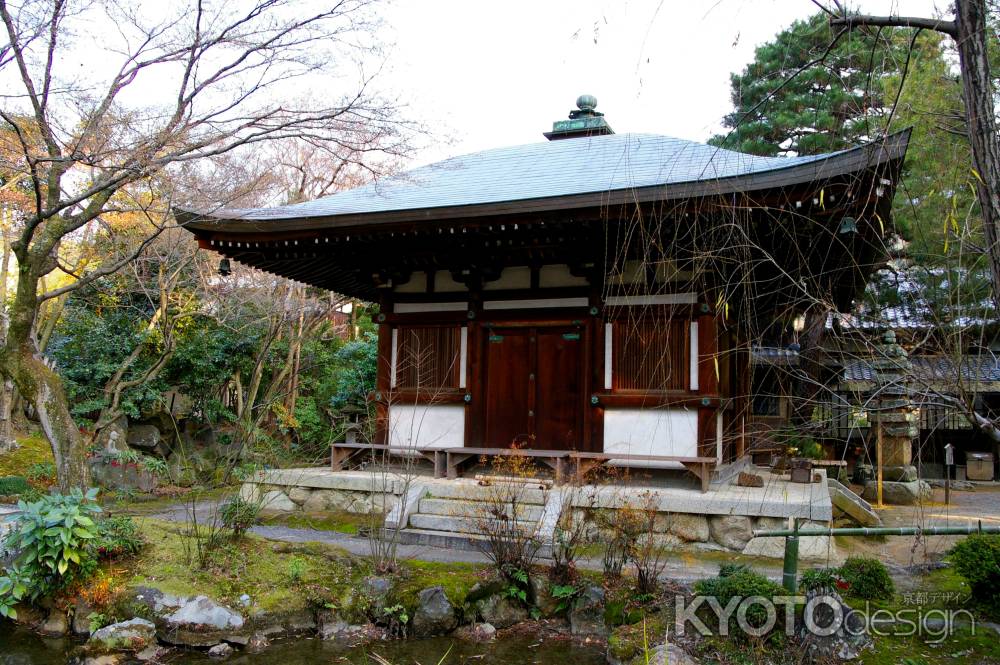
{"points": [[7, 440], [41, 385], [977, 88]]}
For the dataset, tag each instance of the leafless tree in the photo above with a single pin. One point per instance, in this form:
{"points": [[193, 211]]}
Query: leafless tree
{"points": [[222, 77]]}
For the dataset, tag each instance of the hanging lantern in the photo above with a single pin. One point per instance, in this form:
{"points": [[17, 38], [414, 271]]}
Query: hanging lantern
{"points": [[848, 225], [225, 268]]}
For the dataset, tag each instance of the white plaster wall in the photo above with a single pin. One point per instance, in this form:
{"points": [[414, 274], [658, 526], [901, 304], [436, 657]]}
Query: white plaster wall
{"points": [[444, 283], [426, 425], [417, 284], [651, 432]]}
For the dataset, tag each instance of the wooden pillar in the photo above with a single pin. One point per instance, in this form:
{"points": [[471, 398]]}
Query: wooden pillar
{"points": [[708, 381], [383, 389]]}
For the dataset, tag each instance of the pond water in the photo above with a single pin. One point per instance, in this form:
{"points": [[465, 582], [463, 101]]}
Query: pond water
{"points": [[21, 647]]}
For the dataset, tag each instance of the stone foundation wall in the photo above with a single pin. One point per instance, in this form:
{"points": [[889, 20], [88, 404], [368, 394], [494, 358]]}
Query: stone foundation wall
{"points": [[284, 499]]}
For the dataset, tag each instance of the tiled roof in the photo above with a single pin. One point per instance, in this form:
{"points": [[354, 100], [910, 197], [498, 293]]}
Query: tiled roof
{"points": [[983, 368], [538, 170]]}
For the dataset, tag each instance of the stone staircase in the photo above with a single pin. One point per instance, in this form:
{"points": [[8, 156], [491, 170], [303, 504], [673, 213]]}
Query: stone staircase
{"points": [[448, 516]]}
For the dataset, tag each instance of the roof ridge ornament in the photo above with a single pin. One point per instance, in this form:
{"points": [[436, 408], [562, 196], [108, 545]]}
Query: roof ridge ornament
{"points": [[585, 120]]}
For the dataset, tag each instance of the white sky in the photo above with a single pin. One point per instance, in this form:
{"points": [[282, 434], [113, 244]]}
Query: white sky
{"points": [[484, 74]]}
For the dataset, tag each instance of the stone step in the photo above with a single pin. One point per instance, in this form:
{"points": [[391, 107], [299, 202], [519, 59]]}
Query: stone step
{"points": [[465, 525], [454, 541], [471, 492], [857, 508], [464, 508]]}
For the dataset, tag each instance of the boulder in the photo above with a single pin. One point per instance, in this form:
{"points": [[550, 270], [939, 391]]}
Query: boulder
{"points": [[220, 651], [435, 614], [852, 505], [731, 531], [501, 611], [665, 654], [145, 438], [899, 474], [898, 494], [541, 596], [299, 495], [690, 528], [154, 653], [475, 632], [81, 620], [257, 643], [132, 635], [377, 588], [56, 624], [846, 642], [277, 501], [586, 616], [202, 622]]}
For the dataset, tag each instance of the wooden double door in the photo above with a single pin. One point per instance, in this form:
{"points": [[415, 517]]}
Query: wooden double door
{"points": [[534, 387]]}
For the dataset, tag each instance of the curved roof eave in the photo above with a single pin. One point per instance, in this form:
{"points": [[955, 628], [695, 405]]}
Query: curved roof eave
{"points": [[798, 171]]}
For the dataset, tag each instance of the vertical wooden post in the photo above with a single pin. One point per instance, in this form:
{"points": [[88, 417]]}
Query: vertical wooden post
{"points": [[382, 387], [878, 464]]}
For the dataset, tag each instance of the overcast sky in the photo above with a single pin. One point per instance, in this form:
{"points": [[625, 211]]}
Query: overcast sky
{"points": [[490, 74]]}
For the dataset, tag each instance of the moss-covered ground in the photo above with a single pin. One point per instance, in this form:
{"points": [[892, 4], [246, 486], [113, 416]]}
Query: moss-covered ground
{"points": [[32, 449], [277, 576]]}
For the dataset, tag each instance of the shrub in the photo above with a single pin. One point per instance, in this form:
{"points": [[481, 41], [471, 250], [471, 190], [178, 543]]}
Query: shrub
{"points": [[11, 485], [239, 515], [867, 578], [977, 561], [819, 579], [117, 536], [43, 473], [738, 581], [51, 535]]}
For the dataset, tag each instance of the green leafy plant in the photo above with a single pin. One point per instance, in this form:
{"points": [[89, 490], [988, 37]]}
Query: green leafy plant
{"points": [[154, 466], [867, 578], [296, 569], [41, 472], [818, 579], [564, 594], [117, 536], [517, 587], [738, 581], [977, 561], [395, 617], [52, 535], [125, 457], [13, 587], [96, 621], [239, 515], [13, 485]]}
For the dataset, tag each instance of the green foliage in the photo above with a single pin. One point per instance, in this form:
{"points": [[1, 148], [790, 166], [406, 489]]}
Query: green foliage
{"points": [[817, 579], [296, 568], [797, 98], [13, 485], [52, 535], [154, 466], [738, 581], [564, 594], [239, 515], [977, 561], [517, 584], [116, 537], [359, 359], [41, 472], [867, 578]]}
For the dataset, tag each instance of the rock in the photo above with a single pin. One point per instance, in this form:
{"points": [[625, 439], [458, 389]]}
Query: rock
{"points": [[81, 620], [815, 548], [144, 437], [299, 495], [352, 634], [690, 528], [220, 651], [665, 654], [852, 505], [202, 622], [731, 531], [475, 632], [898, 493], [586, 616], [277, 501], [501, 611], [132, 635], [959, 485], [104, 659], [541, 596], [258, 642], [377, 588], [899, 474], [434, 614], [55, 625], [846, 643], [154, 653]]}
